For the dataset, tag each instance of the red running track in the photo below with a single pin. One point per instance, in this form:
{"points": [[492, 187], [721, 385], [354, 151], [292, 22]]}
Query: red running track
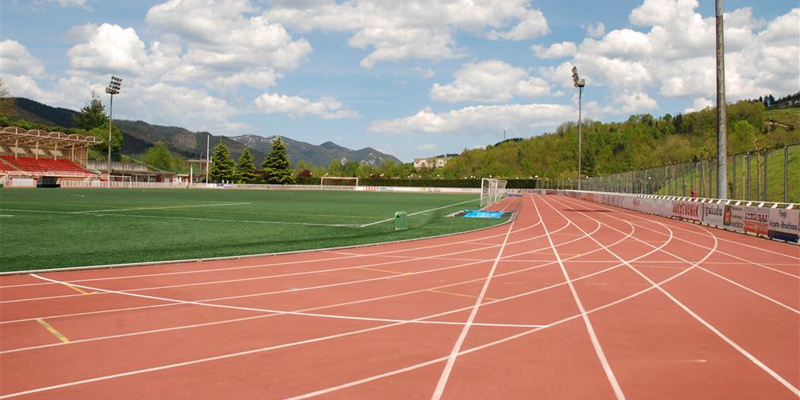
{"points": [[573, 300]]}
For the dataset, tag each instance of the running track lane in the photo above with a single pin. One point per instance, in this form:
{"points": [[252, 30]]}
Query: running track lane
{"points": [[574, 300]]}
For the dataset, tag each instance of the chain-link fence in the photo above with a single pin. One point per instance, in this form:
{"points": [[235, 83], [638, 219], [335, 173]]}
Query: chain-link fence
{"points": [[769, 175]]}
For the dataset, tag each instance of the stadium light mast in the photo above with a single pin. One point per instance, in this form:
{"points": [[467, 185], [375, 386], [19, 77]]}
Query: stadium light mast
{"points": [[580, 84], [113, 88], [722, 117]]}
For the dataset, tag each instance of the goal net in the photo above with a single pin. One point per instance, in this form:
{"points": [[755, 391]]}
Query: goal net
{"points": [[338, 181], [492, 190]]}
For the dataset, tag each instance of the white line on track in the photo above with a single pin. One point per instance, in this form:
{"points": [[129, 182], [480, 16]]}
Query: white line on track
{"points": [[705, 323], [612, 379], [343, 335], [448, 368], [509, 338], [160, 208], [288, 263], [279, 312]]}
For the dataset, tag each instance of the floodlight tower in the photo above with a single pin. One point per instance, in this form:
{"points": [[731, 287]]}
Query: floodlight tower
{"points": [[722, 131], [113, 88], [580, 84]]}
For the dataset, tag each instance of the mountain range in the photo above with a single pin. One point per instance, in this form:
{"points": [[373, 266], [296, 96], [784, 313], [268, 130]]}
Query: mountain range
{"points": [[138, 136]]}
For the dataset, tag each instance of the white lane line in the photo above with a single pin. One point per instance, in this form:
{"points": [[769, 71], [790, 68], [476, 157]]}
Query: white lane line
{"points": [[598, 349], [448, 368], [281, 312], [288, 263], [416, 213], [352, 333], [710, 327], [160, 208]]}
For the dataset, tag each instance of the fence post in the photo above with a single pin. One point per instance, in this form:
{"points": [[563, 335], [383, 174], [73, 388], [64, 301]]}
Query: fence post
{"points": [[766, 192], [683, 178], [747, 177], [733, 188], [785, 174], [711, 170]]}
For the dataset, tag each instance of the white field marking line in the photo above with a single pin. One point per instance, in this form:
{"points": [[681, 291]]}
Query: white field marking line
{"points": [[243, 221], [291, 274], [448, 368], [416, 213], [716, 331], [296, 313], [199, 325], [218, 282], [731, 281], [130, 292], [6, 216], [729, 255], [265, 293], [130, 373], [161, 208], [279, 264], [680, 225], [478, 348], [302, 310], [598, 349]]}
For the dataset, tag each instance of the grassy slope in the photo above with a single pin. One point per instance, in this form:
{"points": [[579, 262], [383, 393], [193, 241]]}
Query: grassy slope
{"points": [[33, 240]]}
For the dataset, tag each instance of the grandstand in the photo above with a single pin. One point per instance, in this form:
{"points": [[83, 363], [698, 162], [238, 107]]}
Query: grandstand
{"points": [[29, 156]]}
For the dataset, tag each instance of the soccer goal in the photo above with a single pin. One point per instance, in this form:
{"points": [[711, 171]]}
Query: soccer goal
{"points": [[338, 181], [120, 181], [492, 190]]}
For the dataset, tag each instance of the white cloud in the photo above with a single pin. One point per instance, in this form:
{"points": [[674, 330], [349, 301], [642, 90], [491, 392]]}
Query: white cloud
{"points": [[109, 49], [556, 50], [515, 118], [294, 106], [595, 30], [489, 81], [533, 25], [425, 73], [67, 3], [426, 147], [699, 104], [17, 60], [423, 29]]}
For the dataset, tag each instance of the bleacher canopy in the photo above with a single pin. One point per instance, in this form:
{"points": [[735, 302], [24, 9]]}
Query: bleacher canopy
{"points": [[14, 136]]}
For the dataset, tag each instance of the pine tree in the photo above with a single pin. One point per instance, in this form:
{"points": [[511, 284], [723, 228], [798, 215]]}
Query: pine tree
{"points": [[93, 115], [222, 167], [159, 157], [246, 168], [276, 168]]}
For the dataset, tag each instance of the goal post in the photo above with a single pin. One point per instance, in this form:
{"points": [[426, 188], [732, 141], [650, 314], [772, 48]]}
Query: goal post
{"points": [[492, 190], [338, 181]]}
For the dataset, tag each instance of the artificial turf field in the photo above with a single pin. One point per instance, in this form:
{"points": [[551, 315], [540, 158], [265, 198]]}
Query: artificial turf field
{"points": [[56, 228]]}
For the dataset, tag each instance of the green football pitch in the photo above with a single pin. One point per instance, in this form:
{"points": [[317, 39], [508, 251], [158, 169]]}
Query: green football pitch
{"points": [[55, 228]]}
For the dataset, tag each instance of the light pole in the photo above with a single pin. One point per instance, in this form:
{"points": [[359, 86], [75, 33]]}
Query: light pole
{"points": [[722, 135], [113, 88], [580, 84]]}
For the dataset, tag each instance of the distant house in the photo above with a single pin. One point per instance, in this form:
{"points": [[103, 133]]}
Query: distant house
{"points": [[433, 162]]}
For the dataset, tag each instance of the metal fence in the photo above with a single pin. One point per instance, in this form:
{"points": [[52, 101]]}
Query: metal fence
{"points": [[771, 175]]}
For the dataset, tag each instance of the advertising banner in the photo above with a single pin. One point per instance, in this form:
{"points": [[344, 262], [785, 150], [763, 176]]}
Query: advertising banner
{"points": [[784, 224], [687, 210], [733, 218], [713, 214], [756, 220]]}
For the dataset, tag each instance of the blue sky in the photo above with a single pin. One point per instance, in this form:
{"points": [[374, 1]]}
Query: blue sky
{"points": [[412, 78]]}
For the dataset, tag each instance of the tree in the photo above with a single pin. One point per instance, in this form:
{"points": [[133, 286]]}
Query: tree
{"points": [[159, 157], [3, 89], [101, 132], [222, 168], [276, 168], [246, 168], [93, 115]]}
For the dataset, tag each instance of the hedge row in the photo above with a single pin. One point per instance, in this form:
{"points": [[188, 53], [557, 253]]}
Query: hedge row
{"points": [[454, 183]]}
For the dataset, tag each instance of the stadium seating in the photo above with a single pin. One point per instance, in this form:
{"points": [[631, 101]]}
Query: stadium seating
{"points": [[45, 166]]}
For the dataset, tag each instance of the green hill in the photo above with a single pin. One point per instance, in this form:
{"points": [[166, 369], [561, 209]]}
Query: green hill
{"points": [[643, 141]]}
